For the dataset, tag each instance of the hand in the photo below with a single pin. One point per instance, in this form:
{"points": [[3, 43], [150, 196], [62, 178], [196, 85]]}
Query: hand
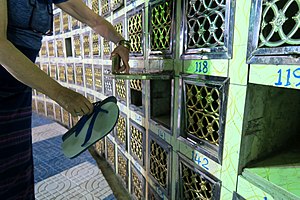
{"points": [[73, 102], [123, 52]]}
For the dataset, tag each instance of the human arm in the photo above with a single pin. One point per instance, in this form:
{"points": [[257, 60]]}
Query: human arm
{"points": [[79, 10], [19, 66]]}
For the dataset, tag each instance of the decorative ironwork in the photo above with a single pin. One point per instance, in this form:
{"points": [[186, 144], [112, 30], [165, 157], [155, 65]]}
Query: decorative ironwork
{"points": [[202, 108], [56, 22], [136, 143], [62, 73], [121, 91], [119, 27], [136, 84], [77, 43], [161, 26], [50, 110], [110, 152], [100, 147], [79, 74], [60, 48], [66, 23], [70, 73], [108, 82], [105, 7], [86, 45], [95, 6], [66, 118], [137, 186], [274, 32], [106, 48], [121, 130], [98, 77], [208, 28], [44, 50], [158, 163], [51, 48], [195, 186], [96, 45], [116, 4], [122, 168], [58, 115], [53, 71], [88, 76], [135, 32]]}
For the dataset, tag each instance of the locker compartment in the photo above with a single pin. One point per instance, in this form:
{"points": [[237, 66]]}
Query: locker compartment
{"points": [[87, 53], [75, 23], [66, 22], [62, 73], [136, 97], [203, 113], [58, 113], [121, 90], [70, 73], [77, 45], [57, 23], [95, 6], [108, 80], [121, 131], [100, 147], [137, 142], [195, 184], [97, 77], [96, 45], [41, 107], [106, 49], [53, 71], [51, 50], [43, 52], [66, 119], [116, 4], [60, 51], [110, 153], [137, 184], [49, 110], [88, 70], [123, 169], [105, 8], [79, 74], [159, 164]]}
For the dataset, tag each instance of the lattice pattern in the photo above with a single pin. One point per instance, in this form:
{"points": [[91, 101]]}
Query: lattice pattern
{"points": [[280, 25], [50, 110], [44, 50], [51, 48], [122, 168], [158, 163], [75, 23], [136, 142], [119, 27], [136, 84], [66, 118], [66, 24], [60, 48], [58, 113], [100, 147], [95, 6], [77, 42], [70, 73], [161, 16], [96, 44], [44, 67], [86, 45], [88, 76], [41, 107], [56, 22], [121, 89], [205, 23], [106, 48], [195, 186], [135, 32], [110, 152], [137, 186], [79, 75], [117, 4], [105, 6], [121, 129], [98, 77], [53, 71], [202, 112], [108, 84], [62, 73]]}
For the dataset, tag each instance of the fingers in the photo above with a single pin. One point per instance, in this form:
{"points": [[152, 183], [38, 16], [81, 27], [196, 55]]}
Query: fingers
{"points": [[123, 52]]}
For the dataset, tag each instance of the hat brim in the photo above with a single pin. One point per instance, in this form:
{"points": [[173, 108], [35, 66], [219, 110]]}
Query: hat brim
{"points": [[104, 123]]}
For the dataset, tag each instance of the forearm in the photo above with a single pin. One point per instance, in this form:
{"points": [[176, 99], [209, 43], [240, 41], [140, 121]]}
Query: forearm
{"points": [[19, 66]]}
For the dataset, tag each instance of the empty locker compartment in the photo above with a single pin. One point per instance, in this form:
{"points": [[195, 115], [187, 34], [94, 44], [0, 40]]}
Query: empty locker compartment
{"points": [[160, 163], [97, 77], [66, 22], [135, 31], [121, 131], [137, 142], [77, 45], [62, 72], [87, 53], [110, 153], [136, 96], [269, 155], [203, 113], [49, 110], [96, 45], [161, 27], [123, 169], [88, 71], [105, 7], [58, 113], [79, 74], [207, 29], [108, 81], [196, 184], [137, 184], [117, 4]]}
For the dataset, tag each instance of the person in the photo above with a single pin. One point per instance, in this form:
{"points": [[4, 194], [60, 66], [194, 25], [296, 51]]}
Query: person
{"points": [[22, 25]]}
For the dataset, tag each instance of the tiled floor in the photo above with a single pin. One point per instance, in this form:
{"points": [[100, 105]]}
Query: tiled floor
{"points": [[61, 178]]}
